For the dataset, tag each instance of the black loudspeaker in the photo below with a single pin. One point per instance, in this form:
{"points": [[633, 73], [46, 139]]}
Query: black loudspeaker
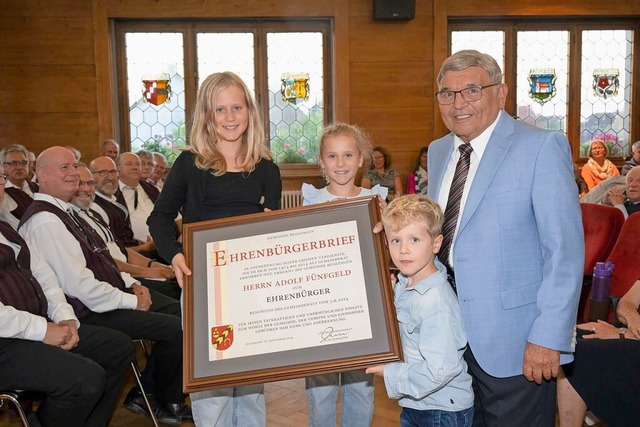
{"points": [[394, 10]]}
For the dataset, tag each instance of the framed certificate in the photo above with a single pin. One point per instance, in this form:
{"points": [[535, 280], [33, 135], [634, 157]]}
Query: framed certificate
{"points": [[287, 294]]}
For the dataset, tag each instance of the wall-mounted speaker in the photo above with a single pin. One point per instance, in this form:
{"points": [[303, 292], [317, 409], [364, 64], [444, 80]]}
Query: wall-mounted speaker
{"points": [[394, 10]]}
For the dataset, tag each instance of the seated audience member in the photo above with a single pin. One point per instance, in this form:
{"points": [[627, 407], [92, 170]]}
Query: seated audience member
{"points": [[381, 173], [582, 186], [138, 198], [158, 173], [598, 167], [147, 164], [114, 213], [97, 291], [628, 203], [19, 189], [79, 368], [149, 272], [599, 194], [110, 148], [604, 374], [634, 160], [418, 180]]}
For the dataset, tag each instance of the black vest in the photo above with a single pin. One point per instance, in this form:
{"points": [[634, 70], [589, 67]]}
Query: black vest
{"points": [[96, 253], [18, 288], [22, 199], [119, 221]]}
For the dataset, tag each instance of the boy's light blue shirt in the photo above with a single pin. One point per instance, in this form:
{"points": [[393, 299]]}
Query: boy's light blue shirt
{"points": [[434, 374]]}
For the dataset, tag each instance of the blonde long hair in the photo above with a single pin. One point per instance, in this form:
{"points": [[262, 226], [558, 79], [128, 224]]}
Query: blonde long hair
{"points": [[203, 137]]}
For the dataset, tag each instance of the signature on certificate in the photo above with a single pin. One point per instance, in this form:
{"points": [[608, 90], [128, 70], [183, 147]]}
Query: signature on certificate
{"points": [[329, 334]]}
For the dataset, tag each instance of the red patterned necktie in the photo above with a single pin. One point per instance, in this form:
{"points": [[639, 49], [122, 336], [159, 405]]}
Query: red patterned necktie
{"points": [[453, 202]]}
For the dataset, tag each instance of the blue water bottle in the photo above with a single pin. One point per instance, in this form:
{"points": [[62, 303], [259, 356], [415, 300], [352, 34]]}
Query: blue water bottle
{"points": [[600, 303]]}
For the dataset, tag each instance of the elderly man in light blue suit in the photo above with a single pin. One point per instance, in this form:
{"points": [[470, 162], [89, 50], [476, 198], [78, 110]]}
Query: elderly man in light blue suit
{"points": [[518, 249]]}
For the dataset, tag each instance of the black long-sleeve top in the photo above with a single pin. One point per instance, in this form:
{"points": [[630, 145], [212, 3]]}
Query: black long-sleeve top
{"points": [[200, 196]]}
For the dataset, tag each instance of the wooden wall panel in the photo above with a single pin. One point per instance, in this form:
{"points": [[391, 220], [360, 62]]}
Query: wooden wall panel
{"points": [[391, 85], [44, 89], [218, 8], [46, 8], [50, 41], [38, 131], [390, 41]]}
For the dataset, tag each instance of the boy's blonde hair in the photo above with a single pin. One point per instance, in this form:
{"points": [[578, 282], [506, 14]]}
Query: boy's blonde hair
{"points": [[413, 209], [203, 138], [345, 129]]}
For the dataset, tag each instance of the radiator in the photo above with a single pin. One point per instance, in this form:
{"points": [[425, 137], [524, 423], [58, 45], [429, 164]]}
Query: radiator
{"points": [[291, 199]]}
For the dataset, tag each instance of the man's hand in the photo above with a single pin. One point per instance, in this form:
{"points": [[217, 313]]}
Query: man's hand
{"points": [[540, 362], [57, 335], [75, 338], [376, 370], [180, 268], [144, 298], [616, 195]]}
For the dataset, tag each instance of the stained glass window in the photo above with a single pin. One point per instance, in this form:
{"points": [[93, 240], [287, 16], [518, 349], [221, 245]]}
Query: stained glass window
{"points": [[543, 52], [606, 89], [153, 127]]}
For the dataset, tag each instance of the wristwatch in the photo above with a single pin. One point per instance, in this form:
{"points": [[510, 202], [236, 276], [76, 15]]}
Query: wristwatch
{"points": [[621, 332]]}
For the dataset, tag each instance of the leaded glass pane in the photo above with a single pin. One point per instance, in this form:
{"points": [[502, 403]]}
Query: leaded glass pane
{"points": [[226, 52], [489, 42], [543, 61], [606, 89], [295, 124], [155, 60]]}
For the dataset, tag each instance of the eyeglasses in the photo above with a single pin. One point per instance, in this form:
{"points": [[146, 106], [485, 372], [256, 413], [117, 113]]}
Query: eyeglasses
{"points": [[3, 179], [89, 183], [103, 172], [15, 163], [469, 94]]}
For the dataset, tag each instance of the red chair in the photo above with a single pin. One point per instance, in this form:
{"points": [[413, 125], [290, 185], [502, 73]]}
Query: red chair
{"points": [[626, 257], [601, 225]]}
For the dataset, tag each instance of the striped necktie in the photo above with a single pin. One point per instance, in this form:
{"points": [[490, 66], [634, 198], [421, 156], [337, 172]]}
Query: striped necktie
{"points": [[453, 202]]}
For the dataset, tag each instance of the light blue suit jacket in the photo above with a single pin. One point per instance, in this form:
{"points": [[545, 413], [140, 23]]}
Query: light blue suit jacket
{"points": [[519, 251]]}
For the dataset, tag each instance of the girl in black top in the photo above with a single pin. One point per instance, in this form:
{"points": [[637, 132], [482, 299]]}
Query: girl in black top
{"points": [[227, 170]]}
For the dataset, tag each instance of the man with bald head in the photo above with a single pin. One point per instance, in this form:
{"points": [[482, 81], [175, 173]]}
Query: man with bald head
{"points": [[97, 291], [139, 198], [149, 272], [110, 148], [114, 213]]}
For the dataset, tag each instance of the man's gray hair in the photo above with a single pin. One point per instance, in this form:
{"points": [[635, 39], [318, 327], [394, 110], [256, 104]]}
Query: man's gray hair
{"points": [[635, 146], [471, 58], [14, 148]]}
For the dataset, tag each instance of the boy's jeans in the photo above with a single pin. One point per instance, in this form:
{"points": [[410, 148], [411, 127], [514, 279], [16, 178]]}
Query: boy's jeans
{"points": [[357, 399], [436, 418]]}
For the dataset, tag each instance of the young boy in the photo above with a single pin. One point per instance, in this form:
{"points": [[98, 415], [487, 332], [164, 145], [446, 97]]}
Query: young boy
{"points": [[432, 385]]}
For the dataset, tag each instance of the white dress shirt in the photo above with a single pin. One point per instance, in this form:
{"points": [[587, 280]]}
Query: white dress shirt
{"points": [[24, 325], [140, 214], [479, 144], [25, 187], [7, 204], [47, 235]]}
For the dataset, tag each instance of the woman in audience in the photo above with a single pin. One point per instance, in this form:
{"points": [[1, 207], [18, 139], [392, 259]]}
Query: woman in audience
{"points": [[604, 376], [418, 180], [381, 173], [598, 167]]}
